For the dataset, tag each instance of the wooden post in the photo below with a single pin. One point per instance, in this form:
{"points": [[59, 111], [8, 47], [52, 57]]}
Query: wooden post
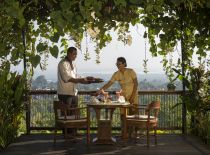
{"points": [[183, 51], [27, 102]]}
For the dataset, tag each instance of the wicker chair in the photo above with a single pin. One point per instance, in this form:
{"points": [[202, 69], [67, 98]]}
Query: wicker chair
{"points": [[148, 120], [65, 121]]}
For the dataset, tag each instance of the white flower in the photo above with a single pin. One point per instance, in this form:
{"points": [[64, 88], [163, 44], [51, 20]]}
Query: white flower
{"points": [[93, 33], [93, 14], [201, 92], [129, 39], [97, 31], [203, 79]]}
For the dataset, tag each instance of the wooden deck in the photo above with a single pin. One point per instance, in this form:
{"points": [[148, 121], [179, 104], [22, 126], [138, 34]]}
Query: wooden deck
{"points": [[167, 145]]}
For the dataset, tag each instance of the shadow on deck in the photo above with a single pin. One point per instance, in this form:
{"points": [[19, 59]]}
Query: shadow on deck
{"points": [[167, 145]]}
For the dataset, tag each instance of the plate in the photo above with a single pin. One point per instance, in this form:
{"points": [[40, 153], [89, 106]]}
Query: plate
{"points": [[95, 80]]}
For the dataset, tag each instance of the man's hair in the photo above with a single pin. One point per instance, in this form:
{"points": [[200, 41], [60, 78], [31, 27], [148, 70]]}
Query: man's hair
{"points": [[71, 49], [123, 60]]}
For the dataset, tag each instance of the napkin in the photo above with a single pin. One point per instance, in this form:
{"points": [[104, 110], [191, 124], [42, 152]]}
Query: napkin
{"points": [[94, 99], [121, 99]]}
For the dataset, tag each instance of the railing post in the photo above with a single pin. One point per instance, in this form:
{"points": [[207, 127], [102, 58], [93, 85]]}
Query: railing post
{"points": [[28, 113], [27, 103], [184, 59]]}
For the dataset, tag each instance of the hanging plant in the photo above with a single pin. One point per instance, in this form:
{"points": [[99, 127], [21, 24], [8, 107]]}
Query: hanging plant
{"points": [[145, 53], [145, 66], [124, 34], [86, 54]]}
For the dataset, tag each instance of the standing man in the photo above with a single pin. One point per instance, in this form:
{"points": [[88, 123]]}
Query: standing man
{"points": [[68, 79]]}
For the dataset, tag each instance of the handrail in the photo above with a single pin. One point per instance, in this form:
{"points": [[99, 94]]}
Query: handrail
{"points": [[33, 92], [41, 102]]}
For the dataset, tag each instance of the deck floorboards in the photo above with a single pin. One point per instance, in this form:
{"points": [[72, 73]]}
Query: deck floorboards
{"points": [[37, 144]]}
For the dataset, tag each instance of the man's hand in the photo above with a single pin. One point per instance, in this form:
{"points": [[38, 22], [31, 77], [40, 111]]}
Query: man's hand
{"points": [[84, 81], [90, 78]]}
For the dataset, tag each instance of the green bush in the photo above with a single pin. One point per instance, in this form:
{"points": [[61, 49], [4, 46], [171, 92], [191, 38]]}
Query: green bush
{"points": [[11, 105], [197, 101]]}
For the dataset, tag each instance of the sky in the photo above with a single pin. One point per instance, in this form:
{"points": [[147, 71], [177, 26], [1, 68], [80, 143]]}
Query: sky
{"points": [[134, 54]]}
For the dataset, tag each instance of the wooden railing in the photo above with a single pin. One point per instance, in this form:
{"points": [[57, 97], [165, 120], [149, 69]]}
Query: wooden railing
{"points": [[41, 115]]}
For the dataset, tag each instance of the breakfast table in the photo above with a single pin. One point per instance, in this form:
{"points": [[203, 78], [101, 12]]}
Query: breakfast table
{"points": [[104, 122]]}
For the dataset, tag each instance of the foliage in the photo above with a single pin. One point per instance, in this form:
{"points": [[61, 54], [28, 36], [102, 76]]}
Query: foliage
{"points": [[197, 99], [198, 85], [47, 23], [177, 21], [171, 23], [171, 86], [36, 29], [11, 107]]}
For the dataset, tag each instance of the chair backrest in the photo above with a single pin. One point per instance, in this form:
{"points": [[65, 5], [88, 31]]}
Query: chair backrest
{"points": [[153, 108], [60, 109], [65, 111]]}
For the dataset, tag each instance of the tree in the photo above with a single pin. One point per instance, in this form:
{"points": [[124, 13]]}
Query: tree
{"points": [[45, 23]]}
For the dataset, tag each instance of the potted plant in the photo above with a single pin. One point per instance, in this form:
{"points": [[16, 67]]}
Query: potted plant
{"points": [[171, 86]]}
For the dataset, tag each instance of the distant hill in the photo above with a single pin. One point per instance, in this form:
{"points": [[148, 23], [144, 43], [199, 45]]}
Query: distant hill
{"points": [[52, 76], [146, 82]]}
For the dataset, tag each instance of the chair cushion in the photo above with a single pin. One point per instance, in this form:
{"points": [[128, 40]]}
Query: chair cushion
{"points": [[72, 117], [71, 121], [139, 117]]}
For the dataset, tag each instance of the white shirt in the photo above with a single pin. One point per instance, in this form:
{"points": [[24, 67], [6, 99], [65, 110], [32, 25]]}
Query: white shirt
{"points": [[65, 72]]}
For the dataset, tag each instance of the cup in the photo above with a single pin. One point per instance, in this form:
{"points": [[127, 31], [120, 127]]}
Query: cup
{"points": [[106, 95]]}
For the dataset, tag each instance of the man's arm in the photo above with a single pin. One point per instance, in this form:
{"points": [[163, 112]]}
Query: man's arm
{"points": [[79, 80], [66, 76]]}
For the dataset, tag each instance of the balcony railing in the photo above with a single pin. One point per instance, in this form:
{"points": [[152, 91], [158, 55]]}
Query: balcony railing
{"points": [[41, 114]]}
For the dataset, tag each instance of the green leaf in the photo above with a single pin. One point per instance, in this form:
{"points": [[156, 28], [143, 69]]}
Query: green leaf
{"points": [[41, 47], [54, 51], [176, 2], [145, 34], [120, 2], [177, 71], [65, 5], [13, 9], [35, 60], [21, 17], [58, 19], [136, 1], [149, 8], [208, 4], [55, 37]]}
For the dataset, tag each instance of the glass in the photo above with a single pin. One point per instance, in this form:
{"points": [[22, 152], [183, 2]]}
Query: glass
{"points": [[106, 96]]}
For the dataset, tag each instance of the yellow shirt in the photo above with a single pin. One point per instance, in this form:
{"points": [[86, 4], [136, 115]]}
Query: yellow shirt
{"points": [[126, 81]]}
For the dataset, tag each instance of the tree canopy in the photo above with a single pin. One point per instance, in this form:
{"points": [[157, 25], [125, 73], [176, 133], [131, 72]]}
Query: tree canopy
{"points": [[43, 24]]}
